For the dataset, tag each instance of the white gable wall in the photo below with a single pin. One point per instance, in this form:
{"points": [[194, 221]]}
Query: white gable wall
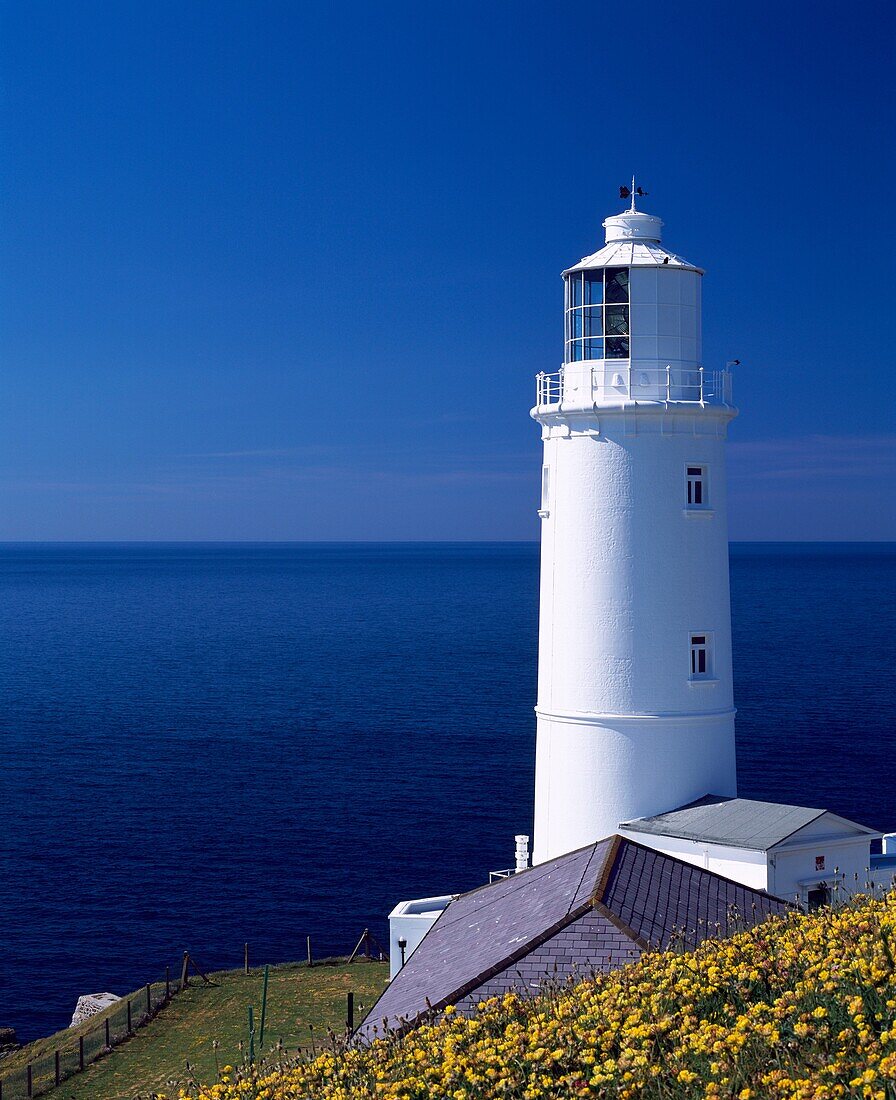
{"points": [[842, 845]]}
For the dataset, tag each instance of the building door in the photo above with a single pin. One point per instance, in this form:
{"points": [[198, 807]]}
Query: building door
{"points": [[818, 896]]}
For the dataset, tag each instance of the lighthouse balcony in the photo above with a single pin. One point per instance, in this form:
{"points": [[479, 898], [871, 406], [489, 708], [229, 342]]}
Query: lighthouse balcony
{"points": [[614, 383]]}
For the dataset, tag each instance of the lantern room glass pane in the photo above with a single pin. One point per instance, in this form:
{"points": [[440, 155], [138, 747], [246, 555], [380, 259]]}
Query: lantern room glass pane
{"points": [[575, 324], [617, 347], [617, 284], [594, 349], [617, 320], [594, 324], [594, 287], [575, 290]]}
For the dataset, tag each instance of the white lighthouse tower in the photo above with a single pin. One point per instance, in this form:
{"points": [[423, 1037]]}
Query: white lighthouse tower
{"points": [[635, 705]]}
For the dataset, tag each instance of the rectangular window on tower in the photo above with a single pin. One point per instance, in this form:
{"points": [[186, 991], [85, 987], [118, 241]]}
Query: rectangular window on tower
{"points": [[701, 657], [697, 485], [545, 487]]}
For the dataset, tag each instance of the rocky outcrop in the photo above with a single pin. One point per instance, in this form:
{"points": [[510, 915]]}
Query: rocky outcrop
{"points": [[8, 1041], [90, 1004]]}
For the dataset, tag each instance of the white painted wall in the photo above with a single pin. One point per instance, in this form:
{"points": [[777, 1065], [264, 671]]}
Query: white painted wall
{"points": [[665, 317], [411, 920], [627, 574], [846, 869], [745, 865]]}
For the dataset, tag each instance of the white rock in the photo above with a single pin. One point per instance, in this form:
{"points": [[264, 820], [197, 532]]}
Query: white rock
{"points": [[90, 1004]]}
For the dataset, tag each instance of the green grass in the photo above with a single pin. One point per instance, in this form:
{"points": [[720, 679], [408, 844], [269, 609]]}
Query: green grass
{"points": [[156, 1058]]}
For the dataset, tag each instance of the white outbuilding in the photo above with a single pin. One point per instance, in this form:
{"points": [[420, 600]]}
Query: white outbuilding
{"points": [[804, 855]]}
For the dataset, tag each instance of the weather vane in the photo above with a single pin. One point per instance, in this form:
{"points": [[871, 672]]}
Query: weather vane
{"points": [[631, 192]]}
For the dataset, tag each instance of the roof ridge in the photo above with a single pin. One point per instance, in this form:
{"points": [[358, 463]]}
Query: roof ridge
{"points": [[606, 871]]}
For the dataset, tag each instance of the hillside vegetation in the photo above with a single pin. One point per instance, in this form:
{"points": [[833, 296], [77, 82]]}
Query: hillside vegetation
{"points": [[801, 1006], [205, 1027]]}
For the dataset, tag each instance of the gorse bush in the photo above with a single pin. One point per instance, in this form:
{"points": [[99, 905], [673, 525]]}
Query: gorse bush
{"points": [[801, 1006]]}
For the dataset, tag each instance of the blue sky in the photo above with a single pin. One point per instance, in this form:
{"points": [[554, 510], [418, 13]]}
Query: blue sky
{"points": [[286, 271]]}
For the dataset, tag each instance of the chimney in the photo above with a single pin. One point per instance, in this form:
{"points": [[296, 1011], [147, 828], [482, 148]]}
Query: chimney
{"points": [[522, 852]]}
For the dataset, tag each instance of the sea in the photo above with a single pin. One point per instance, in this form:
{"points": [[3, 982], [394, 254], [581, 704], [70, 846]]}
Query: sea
{"points": [[210, 745]]}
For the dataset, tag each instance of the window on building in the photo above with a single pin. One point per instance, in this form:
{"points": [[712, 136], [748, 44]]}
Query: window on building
{"points": [[697, 497], [545, 487], [701, 667], [597, 314]]}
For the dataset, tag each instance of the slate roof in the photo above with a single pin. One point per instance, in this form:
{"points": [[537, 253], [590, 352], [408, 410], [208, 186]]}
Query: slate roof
{"points": [[737, 822], [594, 909]]}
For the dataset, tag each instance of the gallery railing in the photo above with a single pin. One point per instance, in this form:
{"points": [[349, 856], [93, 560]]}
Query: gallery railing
{"points": [[608, 382]]}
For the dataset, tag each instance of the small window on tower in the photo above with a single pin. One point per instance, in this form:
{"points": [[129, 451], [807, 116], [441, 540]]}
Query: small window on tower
{"points": [[701, 667], [697, 486], [545, 487]]}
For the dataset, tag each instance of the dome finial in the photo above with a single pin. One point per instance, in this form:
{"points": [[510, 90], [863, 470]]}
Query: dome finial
{"points": [[631, 192]]}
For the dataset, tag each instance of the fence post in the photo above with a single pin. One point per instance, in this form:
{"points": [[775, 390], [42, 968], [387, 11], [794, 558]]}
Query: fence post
{"points": [[108, 1035], [167, 983], [264, 1008], [350, 1014], [80, 1054], [246, 958], [310, 960], [56, 1068], [148, 1000], [251, 1036]]}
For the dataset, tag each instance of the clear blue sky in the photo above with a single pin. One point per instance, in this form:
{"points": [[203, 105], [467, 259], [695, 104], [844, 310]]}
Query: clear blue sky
{"points": [[287, 270]]}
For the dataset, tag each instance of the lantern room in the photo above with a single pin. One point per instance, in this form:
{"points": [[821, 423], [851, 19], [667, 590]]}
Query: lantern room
{"points": [[633, 300]]}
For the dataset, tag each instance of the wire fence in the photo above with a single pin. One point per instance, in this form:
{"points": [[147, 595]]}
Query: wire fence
{"points": [[88, 1042]]}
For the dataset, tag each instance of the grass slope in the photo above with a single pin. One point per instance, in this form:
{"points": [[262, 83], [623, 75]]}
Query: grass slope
{"points": [[185, 1031]]}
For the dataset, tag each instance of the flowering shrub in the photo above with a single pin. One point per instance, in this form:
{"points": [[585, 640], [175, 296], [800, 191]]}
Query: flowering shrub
{"points": [[801, 1006]]}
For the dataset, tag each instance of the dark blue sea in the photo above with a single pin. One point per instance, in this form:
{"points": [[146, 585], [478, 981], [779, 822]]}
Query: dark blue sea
{"points": [[209, 744]]}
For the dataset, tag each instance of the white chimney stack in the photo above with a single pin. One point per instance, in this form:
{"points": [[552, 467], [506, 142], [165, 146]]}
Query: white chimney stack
{"points": [[522, 852]]}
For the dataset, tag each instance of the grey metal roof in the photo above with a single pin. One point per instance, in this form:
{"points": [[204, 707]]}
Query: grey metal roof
{"points": [[534, 925], [738, 822], [633, 254]]}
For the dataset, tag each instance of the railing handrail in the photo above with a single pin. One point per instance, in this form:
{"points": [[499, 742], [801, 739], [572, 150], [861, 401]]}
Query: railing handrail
{"points": [[679, 385]]}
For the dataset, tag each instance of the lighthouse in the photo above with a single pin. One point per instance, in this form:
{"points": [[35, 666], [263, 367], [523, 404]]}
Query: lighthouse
{"points": [[635, 711], [635, 772]]}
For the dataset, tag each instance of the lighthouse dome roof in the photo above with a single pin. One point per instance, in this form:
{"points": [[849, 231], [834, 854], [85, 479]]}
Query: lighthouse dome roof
{"points": [[633, 240]]}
